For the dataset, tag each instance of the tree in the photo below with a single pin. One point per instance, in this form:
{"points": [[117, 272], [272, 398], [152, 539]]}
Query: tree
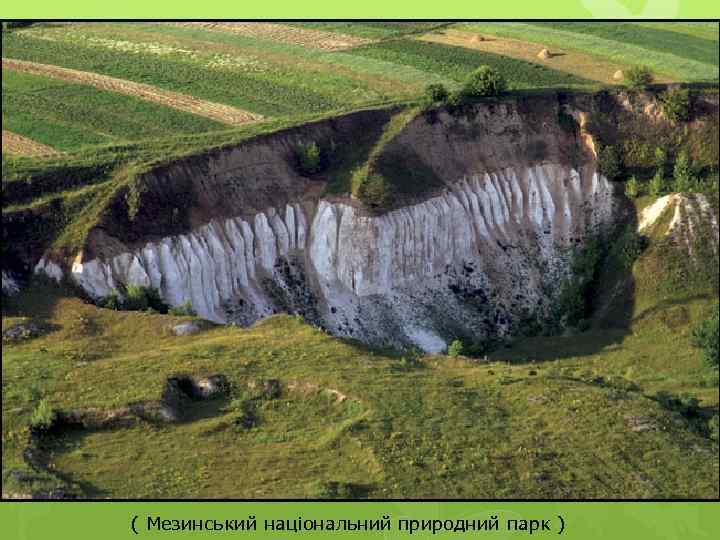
{"points": [[638, 77], [485, 81], [376, 192], [632, 188], [436, 93], [683, 179], [676, 104], [660, 158], [657, 185], [705, 337], [456, 348], [309, 159], [609, 162]]}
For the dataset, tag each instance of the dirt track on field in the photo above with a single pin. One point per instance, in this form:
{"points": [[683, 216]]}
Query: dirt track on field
{"points": [[12, 143], [215, 111], [307, 37]]}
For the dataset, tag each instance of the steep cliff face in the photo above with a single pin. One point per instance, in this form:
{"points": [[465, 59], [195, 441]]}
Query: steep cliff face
{"points": [[483, 249]]}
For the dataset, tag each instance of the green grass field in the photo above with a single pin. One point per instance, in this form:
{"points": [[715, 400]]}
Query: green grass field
{"points": [[286, 80], [544, 417], [630, 45], [455, 63], [69, 116]]}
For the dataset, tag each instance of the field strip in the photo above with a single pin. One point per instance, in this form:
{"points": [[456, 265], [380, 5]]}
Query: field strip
{"points": [[12, 143], [574, 62], [307, 37], [215, 111]]}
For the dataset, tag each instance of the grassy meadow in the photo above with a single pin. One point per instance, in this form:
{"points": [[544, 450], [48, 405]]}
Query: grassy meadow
{"points": [[70, 116], [543, 417]]}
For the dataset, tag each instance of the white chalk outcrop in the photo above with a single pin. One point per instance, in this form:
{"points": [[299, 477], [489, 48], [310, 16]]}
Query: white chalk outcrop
{"points": [[465, 263], [693, 220]]}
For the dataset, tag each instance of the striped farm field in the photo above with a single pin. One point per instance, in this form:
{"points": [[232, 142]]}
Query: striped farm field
{"points": [[369, 75], [73, 85], [629, 44], [15, 144], [455, 63], [68, 115], [572, 62], [307, 37], [655, 39], [267, 94], [374, 30], [214, 111]]}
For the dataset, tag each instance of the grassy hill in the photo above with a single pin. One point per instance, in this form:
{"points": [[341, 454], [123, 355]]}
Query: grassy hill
{"points": [[585, 415], [625, 408]]}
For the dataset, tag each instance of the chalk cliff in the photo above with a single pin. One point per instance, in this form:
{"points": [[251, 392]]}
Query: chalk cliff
{"points": [[249, 236]]}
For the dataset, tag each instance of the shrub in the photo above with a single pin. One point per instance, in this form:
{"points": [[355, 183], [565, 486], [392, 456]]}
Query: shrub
{"points": [[183, 310], [676, 104], [376, 192], [458, 99], [456, 348], [573, 304], [688, 406], [638, 77], [628, 246], [42, 417], [137, 298], [112, 301], [714, 428], [683, 179], [609, 162], [436, 93], [660, 158], [705, 337], [485, 81], [657, 186], [632, 188], [339, 490], [309, 159]]}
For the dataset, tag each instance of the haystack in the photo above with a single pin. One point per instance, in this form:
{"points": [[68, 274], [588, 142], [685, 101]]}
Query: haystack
{"points": [[619, 75], [544, 55]]}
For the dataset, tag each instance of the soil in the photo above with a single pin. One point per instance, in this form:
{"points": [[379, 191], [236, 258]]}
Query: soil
{"points": [[12, 143]]}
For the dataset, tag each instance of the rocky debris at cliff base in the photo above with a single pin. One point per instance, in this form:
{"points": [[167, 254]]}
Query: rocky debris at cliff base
{"points": [[190, 328], [639, 424], [25, 330], [266, 388]]}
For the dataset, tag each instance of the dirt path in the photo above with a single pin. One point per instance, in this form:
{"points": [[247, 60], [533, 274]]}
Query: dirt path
{"points": [[12, 143], [307, 37], [215, 111]]}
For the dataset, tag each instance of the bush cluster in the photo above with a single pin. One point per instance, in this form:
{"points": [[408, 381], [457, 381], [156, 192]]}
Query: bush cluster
{"points": [[309, 159], [183, 310], [42, 417], [705, 337], [676, 104], [638, 77], [376, 192], [482, 82], [136, 298], [610, 162]]}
